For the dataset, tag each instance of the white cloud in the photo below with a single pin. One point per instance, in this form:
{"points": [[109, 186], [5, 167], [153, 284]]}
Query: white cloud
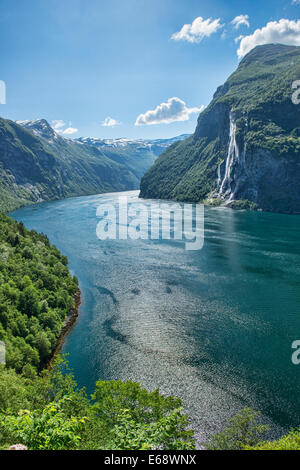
{"points": [[198, 30], [240, 20], [295, 2], [224, 34], [173, 110], [239, 38], [57, 124], [70, 131], [283, 31], [110, 122]]}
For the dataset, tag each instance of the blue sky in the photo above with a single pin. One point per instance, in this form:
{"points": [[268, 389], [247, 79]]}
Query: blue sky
{"points": [[83, 62]]}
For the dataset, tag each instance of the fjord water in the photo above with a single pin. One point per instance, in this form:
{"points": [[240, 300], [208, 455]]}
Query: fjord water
{"points": [[213, 326]]}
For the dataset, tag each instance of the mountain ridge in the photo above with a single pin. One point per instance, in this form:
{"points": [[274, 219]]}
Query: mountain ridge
{"points": [[35, 169], [138, 154], [39, 164], [245, 149]]}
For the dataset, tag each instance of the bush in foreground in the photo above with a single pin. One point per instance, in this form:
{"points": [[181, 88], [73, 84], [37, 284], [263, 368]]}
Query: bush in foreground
{"points": [[242, 430], [49, 411], [289, 442]]}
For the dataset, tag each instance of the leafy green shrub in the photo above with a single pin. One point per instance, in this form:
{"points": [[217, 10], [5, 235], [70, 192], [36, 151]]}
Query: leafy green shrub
{"points": [[123, 415], [166, 433], [134, 417], [112, 396], [49, 430], [289, 442], [242, 430]]}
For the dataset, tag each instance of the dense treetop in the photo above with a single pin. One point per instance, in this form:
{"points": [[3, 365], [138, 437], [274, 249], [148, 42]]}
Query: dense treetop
{"points": [[36, 295]]}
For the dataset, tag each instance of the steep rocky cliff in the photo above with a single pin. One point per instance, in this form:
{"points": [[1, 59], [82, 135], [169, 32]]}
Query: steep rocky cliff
{"points": [[245, 152]]}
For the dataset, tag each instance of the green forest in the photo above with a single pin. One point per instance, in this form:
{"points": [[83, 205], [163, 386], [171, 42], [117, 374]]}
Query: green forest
{"points": [[36, 295]]}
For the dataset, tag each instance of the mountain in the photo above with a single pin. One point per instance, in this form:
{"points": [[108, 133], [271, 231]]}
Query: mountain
{"points": [[138, 155], [37, 164], [245, 152]]}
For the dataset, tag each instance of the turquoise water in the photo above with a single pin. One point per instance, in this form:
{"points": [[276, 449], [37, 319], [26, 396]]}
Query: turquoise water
{"points": [[213, 326]]}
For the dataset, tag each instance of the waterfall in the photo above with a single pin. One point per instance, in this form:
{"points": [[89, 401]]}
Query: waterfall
{"points": [[232, 156], [219, 176]]}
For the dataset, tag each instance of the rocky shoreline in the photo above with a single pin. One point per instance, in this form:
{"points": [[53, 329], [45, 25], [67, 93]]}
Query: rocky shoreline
{"points": [[69, 323]]}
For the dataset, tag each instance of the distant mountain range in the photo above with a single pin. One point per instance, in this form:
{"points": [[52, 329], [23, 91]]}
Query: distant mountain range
{"points": [[245, 152], [138, 155], [156, 145], [38, 164]]}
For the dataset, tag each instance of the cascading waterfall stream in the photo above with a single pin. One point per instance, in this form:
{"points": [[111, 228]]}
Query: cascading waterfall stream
{"points": [[232, 156]]}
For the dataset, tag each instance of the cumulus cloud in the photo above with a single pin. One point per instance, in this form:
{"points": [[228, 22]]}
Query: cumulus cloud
{"points": [[70, 131], [173, 110], [198, 30], [240, 20], [294, 2], [57, 124], [282, 31], [110, 122]]}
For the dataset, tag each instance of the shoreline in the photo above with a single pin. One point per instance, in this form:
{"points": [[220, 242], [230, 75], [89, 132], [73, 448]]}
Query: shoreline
{"points": [[69, 323]]}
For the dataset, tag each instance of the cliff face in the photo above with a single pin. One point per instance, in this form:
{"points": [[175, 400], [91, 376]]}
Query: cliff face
{"points": [[246, 148]]}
